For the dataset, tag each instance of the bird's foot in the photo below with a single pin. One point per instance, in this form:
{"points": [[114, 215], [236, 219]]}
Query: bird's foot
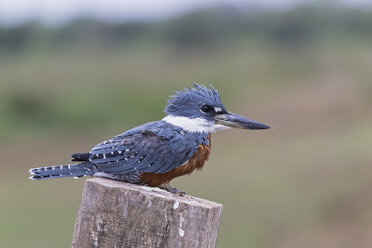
{"points": [[167, 187]]}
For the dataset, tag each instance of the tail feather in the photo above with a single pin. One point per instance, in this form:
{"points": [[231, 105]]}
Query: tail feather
{"points": [[81, 156], [66, 170]]}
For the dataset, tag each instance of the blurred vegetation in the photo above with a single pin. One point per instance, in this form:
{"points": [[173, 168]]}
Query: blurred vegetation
{"points": [[43, 52], [305, 71], [196, 30]]}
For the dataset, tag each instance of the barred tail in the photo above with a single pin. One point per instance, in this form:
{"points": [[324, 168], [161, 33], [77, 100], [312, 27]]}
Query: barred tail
{"points": [[68, 170]]}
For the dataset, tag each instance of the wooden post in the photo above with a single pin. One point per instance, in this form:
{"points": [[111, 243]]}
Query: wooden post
{"points": [[117, 214]]}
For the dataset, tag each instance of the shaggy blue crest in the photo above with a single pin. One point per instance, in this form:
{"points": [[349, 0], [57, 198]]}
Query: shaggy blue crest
{"points": [[187, 103]]}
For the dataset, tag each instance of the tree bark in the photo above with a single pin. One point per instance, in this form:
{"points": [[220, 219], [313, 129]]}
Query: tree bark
{"points": [[117, 214]]}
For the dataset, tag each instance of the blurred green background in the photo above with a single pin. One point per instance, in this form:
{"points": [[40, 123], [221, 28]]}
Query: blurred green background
{"points": [[306, 71]]}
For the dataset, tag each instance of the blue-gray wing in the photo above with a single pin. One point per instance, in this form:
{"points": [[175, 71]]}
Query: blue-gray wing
{"points": [[143, 151]]}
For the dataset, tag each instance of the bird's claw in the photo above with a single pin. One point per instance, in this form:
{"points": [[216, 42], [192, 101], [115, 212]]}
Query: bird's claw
{"points": [[167, 187]]}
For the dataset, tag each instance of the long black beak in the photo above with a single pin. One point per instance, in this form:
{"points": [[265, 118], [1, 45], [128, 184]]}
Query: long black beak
{"points": [[238, 121]]}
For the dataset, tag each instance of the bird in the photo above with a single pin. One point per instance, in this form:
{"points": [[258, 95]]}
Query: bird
{"points": [[154, 153]]}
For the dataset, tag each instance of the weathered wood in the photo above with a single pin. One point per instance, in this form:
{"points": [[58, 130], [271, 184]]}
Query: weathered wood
{"points": [[117, 214]]}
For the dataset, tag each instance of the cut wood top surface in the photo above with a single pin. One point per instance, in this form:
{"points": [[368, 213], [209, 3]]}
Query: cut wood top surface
{"points": [[155, 191]]}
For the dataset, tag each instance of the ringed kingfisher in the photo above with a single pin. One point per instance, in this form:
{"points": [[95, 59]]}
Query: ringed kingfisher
{"points": [[154, 153]]}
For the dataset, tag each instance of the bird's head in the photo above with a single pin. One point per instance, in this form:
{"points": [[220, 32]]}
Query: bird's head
{"points": [[200, 109]]}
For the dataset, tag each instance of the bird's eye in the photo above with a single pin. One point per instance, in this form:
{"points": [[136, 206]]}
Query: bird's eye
{"points": [[206, 108]]}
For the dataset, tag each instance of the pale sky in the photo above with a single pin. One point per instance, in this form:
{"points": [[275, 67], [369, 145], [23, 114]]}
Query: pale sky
{"points": [[59, 11]]}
